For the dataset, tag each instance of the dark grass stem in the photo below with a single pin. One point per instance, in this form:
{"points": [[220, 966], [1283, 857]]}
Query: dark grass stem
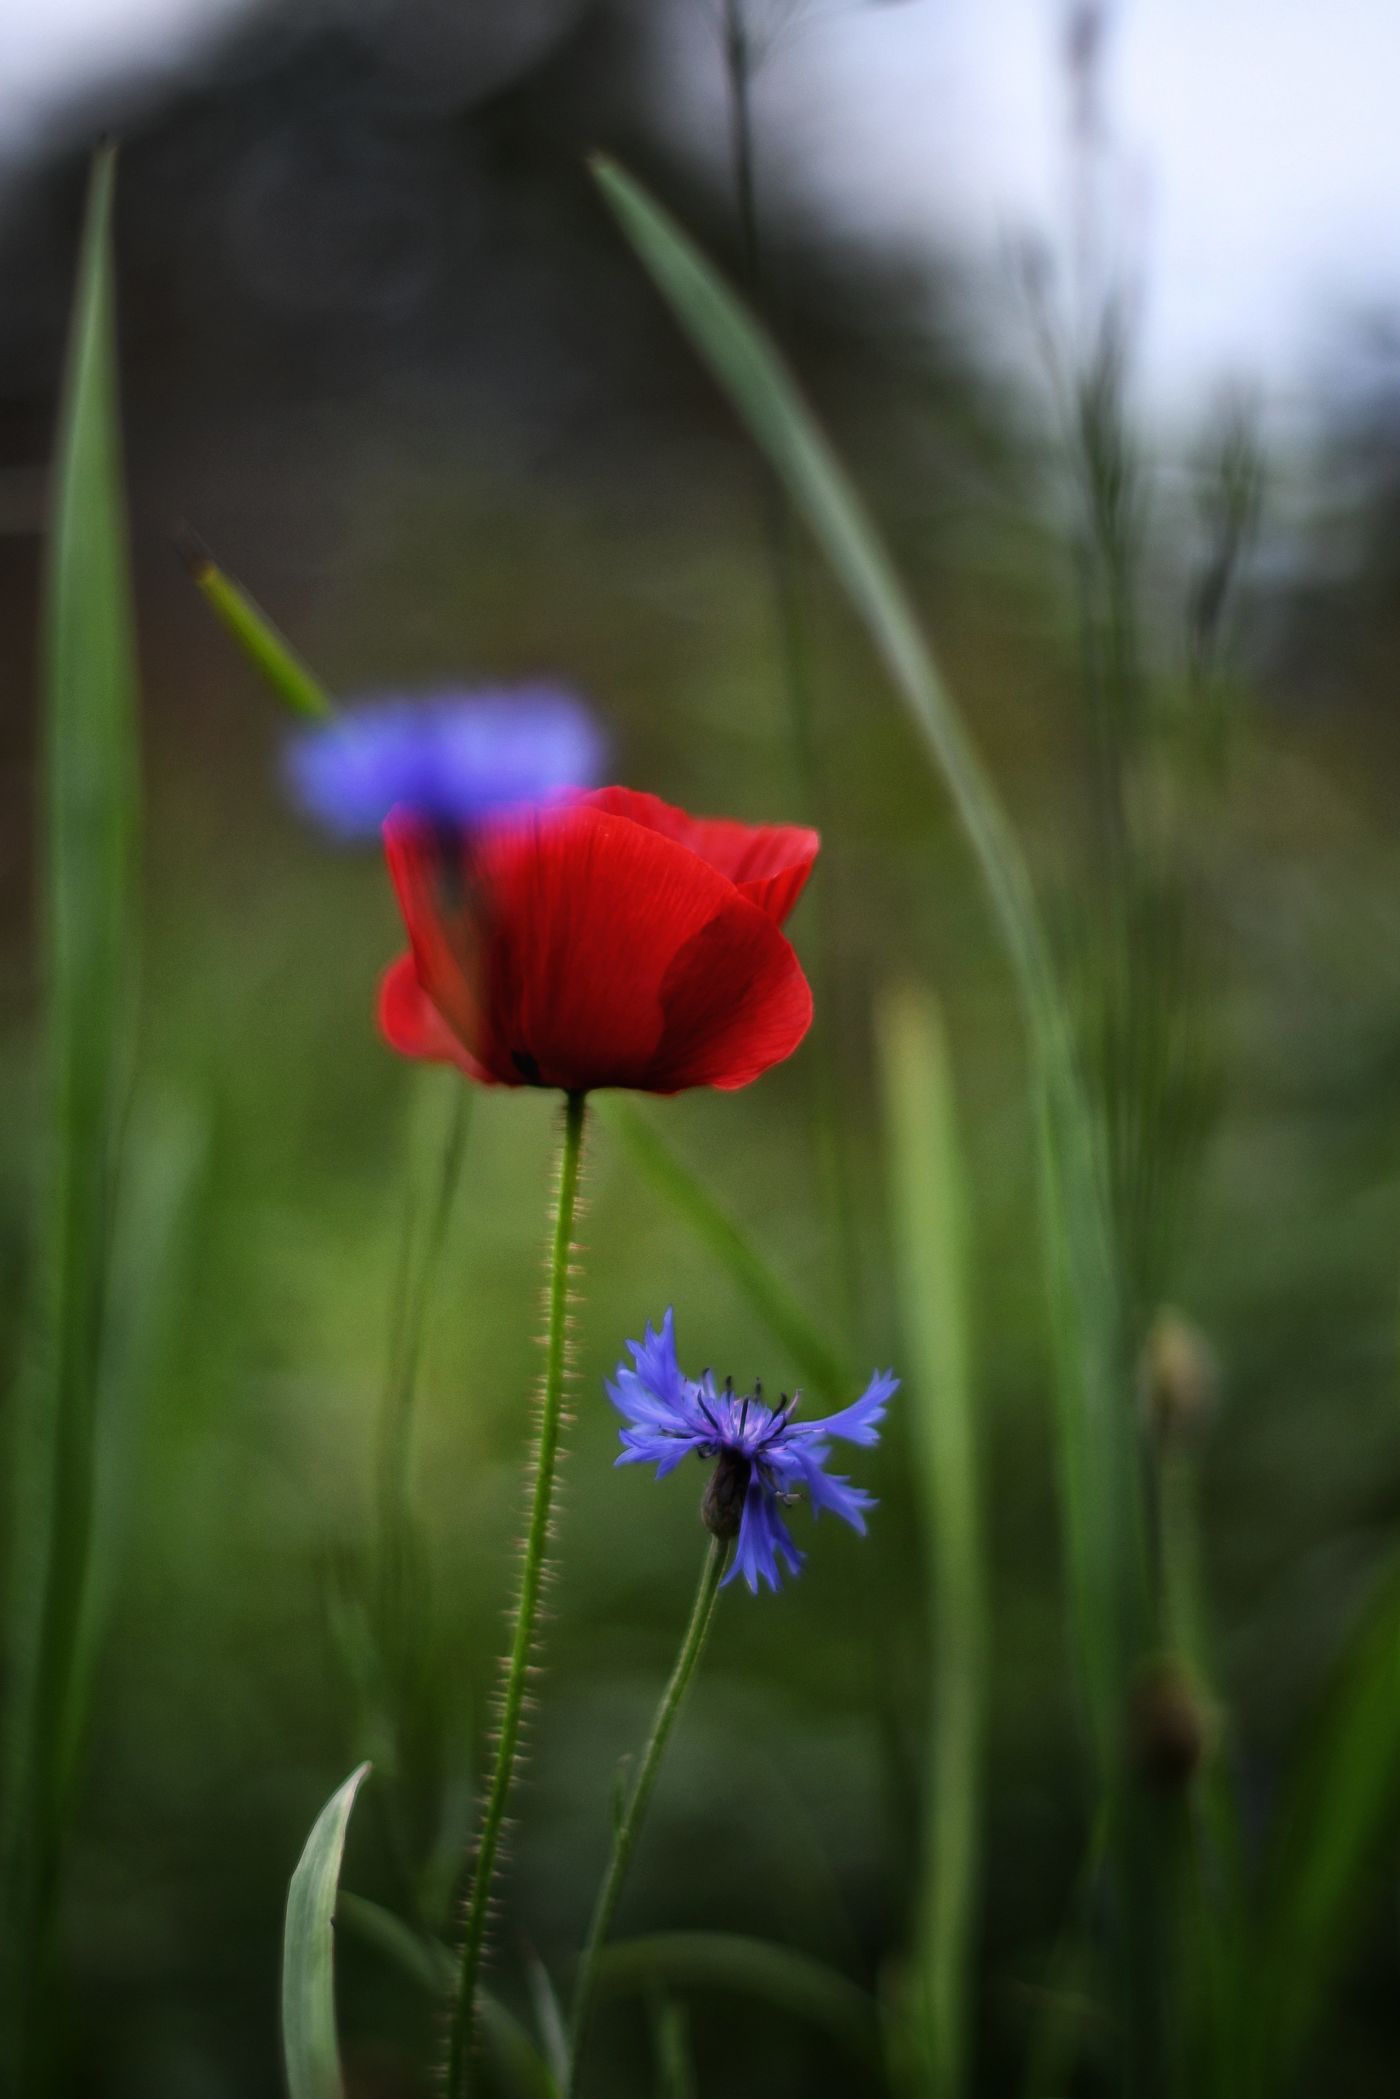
{"points": [[629, 1822], [544, 1461], [399, 1598], [782, 557], [424, 1238]]}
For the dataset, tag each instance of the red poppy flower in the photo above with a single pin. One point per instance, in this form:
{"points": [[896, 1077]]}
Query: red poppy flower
{"points": [[614, 941]]}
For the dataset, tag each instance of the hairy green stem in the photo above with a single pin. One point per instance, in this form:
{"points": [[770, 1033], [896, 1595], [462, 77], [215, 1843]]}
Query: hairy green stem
{"points": [[630, 1820], [544, 1464]]}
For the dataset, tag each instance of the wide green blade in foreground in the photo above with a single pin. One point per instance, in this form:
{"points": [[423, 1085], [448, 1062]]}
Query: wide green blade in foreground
{"points": [[89, 833], [930, 1238], [309, 2047]]}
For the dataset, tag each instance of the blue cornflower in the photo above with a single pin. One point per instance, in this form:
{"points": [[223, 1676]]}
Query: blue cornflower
{"points": [[763, 1458], [452, 758]]}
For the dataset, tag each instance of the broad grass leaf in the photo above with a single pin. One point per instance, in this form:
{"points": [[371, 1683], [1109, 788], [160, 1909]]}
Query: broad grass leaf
{"points": [[930, 1237], [309, 2049]]}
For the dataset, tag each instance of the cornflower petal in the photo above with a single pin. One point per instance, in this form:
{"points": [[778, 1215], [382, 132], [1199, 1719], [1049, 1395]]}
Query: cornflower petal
{"points": [[859, 1422], [450, 758], [763, 1457], [764, 1542]]}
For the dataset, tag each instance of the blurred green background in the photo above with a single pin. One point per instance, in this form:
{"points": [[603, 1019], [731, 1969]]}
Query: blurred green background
{"points": [[395, 365]]}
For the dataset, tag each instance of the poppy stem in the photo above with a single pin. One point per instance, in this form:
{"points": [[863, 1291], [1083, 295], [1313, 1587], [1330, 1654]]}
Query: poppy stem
{"points": [[629, 1821], [543, 1467]]}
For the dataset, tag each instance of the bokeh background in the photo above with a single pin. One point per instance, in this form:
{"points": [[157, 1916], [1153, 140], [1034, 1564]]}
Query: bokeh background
{"points": [[383, 348]]}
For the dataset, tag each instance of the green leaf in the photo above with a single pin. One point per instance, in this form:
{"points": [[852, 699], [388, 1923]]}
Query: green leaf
{"points": [[930, 1229], [271, 655], [1099, 1485], [91, 812], [162, 1182], [813, 1357], [793, 1983], [309, 2049], [550, 2023], [1333, 1833]]}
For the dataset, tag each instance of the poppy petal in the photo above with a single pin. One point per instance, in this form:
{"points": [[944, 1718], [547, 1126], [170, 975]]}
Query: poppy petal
{"points": [[768, 863], [412, 1024], [436, 879], [736, 1003], [572, 947]]}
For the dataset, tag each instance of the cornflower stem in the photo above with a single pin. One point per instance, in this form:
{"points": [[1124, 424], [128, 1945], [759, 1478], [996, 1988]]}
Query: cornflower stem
{"points": [[629, 1822], [543, 1467]]}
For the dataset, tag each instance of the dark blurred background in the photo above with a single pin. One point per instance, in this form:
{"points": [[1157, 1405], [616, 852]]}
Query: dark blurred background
{"points": [[383, 348]]}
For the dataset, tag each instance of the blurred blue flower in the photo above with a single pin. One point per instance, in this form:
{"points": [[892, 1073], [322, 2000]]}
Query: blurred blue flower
{"points": [[453, 758], [763, 1458]]}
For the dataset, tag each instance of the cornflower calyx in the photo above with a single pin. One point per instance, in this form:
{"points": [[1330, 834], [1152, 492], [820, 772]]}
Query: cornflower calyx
{"points": [[763, 1458]]}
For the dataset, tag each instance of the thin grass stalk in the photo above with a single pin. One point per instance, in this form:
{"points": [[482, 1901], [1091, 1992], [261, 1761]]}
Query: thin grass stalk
{"points": [[419, 1267], [543, 1469], [634, 1812], [819, 1363], [269, 652], [830, 1099], [403, 1686]]}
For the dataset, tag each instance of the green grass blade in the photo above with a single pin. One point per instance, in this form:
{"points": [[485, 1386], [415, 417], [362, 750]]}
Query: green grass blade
{"points": [[930, 1239], [670, 2028], [1099, 1480], [90, 831], [793, 1983], [162, 1183], [746, 363], [271, 655], [309, 2049], [813, 1357], [1332, 1835]]}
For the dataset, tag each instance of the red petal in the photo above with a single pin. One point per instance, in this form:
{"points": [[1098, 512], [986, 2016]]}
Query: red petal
{"points": [[411, 1023], [437, 892], [736, 1003], [575, 948], [769, 863]]}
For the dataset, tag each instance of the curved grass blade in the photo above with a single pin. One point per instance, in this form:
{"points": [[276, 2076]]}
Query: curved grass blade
{"points": [[813, 1357], [1331, 1838], [794, 1983], [429, 1963], [671, 2040], [930, 1240], [91, 817], [309, 2050], [271, 655], [1099, 1483]]}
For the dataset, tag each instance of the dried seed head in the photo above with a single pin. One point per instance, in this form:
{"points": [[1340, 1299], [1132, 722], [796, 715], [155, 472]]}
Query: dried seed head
{"points": [[1178, 1376], [1173, 1726]]}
